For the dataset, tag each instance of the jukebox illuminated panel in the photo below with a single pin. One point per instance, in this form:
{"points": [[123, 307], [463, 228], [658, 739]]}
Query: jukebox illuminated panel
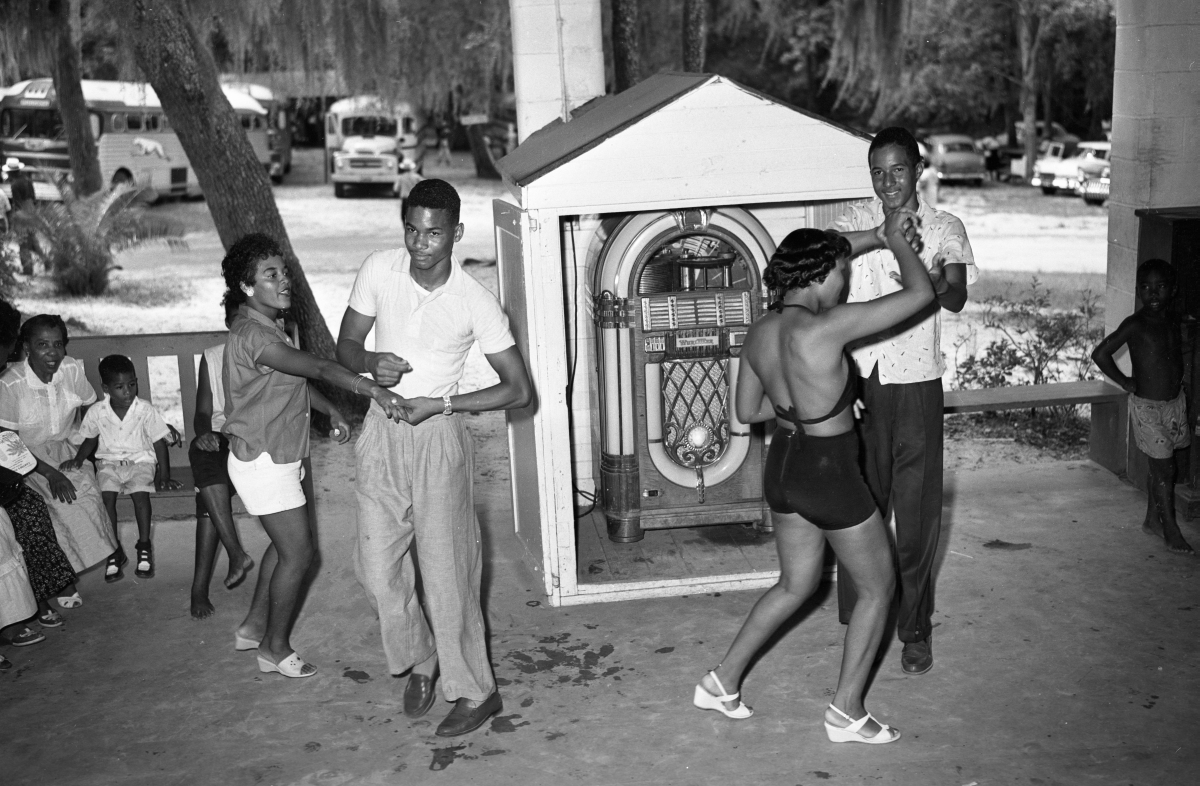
{"points": [[677, 294]]}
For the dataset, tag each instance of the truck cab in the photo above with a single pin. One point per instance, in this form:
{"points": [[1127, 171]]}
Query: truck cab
{"points": [[372, 142]]}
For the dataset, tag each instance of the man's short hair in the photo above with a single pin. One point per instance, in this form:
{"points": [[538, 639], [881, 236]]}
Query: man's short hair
{"points": [[1160, 266], [434, 195], [113, 365], [901, 138]]}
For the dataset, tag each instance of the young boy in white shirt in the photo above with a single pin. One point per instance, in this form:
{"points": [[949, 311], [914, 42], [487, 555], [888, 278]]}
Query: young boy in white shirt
{"points": [[129, 438]]}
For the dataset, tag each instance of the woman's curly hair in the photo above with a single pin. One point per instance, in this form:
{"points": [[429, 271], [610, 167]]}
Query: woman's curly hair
{"points": [[804, 256], [240, 263]]}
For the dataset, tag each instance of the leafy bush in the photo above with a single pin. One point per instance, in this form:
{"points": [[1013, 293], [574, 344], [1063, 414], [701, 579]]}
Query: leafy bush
{"points": [[79, 237], [1036, 343]]}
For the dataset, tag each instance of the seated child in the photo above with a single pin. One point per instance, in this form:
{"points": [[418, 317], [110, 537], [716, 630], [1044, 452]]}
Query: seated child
{"points": [[209, 454], [129, 437], [1157, 404]]}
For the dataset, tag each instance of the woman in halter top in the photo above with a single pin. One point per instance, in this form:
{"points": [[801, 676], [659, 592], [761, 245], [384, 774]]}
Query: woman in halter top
{"points": [[795, 369]]}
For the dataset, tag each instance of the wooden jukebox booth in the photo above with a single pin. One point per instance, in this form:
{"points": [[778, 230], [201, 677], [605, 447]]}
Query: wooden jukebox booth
{"points": [[631, 269]]}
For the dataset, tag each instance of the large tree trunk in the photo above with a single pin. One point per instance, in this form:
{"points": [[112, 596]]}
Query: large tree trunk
{"points": [[627, 58], [1028, 42], [81, 145], [695, 34], [235, 184]]}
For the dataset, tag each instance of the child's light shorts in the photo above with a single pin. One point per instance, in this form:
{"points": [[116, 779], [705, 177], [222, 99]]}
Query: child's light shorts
{"points": [[125, 477], [266, 487], [1160, 427]]}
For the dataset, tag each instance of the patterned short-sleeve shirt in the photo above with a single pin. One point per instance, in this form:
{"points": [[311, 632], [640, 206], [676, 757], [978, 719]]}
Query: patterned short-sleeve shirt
{"points": [[913, 354]]}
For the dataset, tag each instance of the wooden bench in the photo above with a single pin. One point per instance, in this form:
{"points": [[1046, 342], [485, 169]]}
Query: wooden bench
{"points": [[186, 348], [1107, 441]]}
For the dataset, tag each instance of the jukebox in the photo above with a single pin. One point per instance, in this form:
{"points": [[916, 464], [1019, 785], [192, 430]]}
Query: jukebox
{"points": [[676, 292]]}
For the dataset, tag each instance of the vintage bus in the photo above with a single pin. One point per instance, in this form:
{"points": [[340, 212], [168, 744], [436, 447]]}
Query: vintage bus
{"points": [[134, 137], [278, 124], [370, 142]]}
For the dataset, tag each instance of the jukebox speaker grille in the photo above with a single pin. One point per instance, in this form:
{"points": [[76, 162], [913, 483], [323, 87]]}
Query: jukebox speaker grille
{"points": [[695, 411]]}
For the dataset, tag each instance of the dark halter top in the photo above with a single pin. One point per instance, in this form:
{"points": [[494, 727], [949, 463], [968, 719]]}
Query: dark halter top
{"points": [[848, 392]]}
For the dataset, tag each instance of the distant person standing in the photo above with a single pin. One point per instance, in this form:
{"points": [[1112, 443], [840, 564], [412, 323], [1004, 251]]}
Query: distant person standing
{"points": [[443, 136], [23, 198], [902, 378]]}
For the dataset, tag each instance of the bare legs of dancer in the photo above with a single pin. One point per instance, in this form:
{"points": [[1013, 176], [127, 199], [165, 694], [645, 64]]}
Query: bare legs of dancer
{"points": [[863, 551], [218, 524], [280, 581]]}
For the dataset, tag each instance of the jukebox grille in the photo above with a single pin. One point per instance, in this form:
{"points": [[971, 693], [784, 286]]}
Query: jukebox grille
{"points": [[695, 411]]}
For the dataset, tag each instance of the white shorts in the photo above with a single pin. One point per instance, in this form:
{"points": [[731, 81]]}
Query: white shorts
{"points": [[125, 477], [266, 487]]}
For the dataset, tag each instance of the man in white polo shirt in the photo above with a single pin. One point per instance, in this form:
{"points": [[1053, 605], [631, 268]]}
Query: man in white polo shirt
{"points": [[414, 479]]}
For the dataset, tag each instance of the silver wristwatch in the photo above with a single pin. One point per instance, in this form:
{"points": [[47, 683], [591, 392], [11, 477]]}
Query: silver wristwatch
{"points": [[447, 410]]}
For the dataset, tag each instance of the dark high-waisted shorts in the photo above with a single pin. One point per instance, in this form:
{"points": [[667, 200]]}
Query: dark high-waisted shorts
{"points": [[817, 477]]}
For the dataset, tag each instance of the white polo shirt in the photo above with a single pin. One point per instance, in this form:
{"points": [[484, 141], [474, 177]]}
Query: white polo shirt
{"points": [[130, 438], [431, 330], [914, 353]]}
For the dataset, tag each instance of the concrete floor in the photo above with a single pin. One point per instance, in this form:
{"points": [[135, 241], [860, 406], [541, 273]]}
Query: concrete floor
{"points": [[1065, 654]]}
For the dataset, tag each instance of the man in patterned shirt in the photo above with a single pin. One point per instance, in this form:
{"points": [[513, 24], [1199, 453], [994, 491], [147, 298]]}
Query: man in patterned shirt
{"points": [[902, 378]]}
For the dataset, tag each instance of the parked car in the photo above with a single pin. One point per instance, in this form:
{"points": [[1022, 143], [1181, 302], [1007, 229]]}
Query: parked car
{"points": [[1057, 168], [1091, 161], [1094, 190], [955, 158]]}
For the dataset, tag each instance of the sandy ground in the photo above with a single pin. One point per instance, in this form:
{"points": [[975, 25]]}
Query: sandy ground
{"points": [[161, 290]]}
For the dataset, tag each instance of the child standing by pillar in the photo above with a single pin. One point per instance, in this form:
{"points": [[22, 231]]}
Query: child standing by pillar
{"points": [[129, 438], [1157, 404]]}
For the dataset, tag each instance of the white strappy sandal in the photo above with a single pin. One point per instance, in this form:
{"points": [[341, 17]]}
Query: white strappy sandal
{"points": [[852, 733], [706, 701]]}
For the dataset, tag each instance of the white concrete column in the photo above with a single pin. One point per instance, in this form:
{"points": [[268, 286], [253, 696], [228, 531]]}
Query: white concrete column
{"points": [[1156, 129], [558, 59]]}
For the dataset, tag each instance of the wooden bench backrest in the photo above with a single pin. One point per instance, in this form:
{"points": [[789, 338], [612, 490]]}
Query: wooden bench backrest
{"points": [[185, 347]]}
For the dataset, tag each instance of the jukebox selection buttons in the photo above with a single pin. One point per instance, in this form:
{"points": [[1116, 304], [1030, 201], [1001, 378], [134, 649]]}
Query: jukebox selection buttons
{"points": [[656, 344]]}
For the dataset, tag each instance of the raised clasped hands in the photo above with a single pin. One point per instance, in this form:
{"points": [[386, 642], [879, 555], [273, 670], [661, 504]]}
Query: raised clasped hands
{"points": [[386, 368], [902, 226]]}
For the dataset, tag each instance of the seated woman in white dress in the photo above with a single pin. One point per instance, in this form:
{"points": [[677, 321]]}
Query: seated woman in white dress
{"points": [[40, 399]]}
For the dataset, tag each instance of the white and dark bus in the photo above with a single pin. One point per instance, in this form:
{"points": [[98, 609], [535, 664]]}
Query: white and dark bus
{"points": [[133, 135]]}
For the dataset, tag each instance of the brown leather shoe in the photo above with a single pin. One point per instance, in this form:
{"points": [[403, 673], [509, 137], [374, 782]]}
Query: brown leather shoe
{"points": [[463, 719], [418, 695], [917, 656]]}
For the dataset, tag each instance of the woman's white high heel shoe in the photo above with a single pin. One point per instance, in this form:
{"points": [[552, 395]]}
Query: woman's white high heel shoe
{"points": [[706, 701], [852, 733]]}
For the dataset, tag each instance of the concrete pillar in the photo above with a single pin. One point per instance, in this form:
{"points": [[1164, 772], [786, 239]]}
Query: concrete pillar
{"points": [[558, 59], [1156, 129], [1155, 146]]}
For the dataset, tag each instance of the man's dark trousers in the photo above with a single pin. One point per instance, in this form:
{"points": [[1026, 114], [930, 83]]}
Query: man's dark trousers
{"points": [[902, 462]]}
